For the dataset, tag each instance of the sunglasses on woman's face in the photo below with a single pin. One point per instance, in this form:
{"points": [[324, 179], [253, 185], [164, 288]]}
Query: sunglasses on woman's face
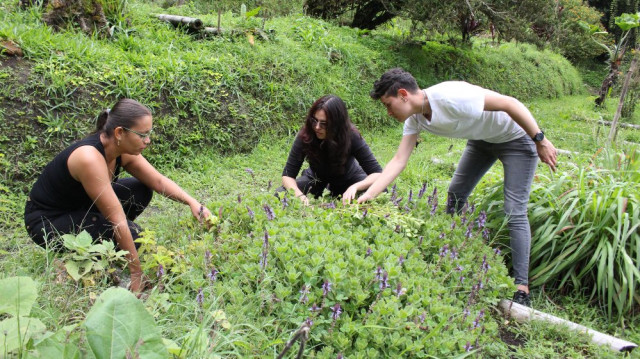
{"points": [[316, 123]]}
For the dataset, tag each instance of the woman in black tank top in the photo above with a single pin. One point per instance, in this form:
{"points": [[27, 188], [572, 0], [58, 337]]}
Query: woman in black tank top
{"points": [[80, 189]]}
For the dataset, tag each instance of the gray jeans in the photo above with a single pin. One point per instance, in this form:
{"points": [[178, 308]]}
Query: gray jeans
{"points": [[519, 159]]}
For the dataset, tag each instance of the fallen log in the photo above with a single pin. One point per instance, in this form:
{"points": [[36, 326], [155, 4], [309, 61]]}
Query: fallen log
{"points": [[10, 48], [522, 313], [175, 20], [628, 125]]}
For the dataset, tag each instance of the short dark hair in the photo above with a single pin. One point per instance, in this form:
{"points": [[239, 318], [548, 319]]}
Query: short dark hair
{"points": [[391, 81]]}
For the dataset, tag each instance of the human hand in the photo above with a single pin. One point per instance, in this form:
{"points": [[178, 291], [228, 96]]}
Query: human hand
{"points": [[304, 199], [201, 213], [349, 194], [547, 153], [138, 283], [365, 197]]}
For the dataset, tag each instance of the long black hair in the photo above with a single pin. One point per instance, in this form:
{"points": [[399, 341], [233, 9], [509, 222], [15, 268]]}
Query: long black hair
{"points": [[125, 113], [334, 149]]}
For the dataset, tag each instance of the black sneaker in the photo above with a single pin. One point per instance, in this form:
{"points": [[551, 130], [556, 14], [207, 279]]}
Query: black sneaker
{"points": [[521, 297]]}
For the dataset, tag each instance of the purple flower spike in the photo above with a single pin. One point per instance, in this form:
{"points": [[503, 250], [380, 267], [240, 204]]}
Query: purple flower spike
{"points": [[160, 272], [423, 189], [200, 297], [410, 199], [453, 225], [496, 251], [459, 268], [337, 310], [308, 322], [378, 273], [485, 234], [364, 213], [239, 199], [303, 294], [384, 282], [400, 260], [444, 250], [369, 251], [249, 171], [285, 202], [251, 213], [326, 288], [207, 257], [468, 347], [399, 291], [213, 275], [441, 235], [314, 308], [482, 219], [469, 232], [461, 279], [269, 212], [466, 312]]}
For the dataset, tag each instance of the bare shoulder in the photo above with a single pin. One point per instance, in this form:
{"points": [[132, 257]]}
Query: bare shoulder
{"points": [[86, 159]]}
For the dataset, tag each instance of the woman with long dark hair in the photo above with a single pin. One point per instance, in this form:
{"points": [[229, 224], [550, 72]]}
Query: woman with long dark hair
{"points": [[80, 189], [339, 158]]}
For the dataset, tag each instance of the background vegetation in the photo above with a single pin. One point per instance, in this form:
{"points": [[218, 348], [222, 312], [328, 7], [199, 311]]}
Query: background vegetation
{"points": [[226, 106]]}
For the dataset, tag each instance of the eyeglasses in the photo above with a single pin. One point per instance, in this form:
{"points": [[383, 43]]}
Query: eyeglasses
{"points": [[315, 122], [143, 136]]}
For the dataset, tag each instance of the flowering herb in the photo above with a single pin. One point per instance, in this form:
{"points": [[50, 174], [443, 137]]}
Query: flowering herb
{"points": [[410, 198], [303, 294], [384, 281], [453, 225], [399, 291], [442, 235], [476, 322], [269, 212], [239, 199], [336, 311], [285, 201], [400, 260], [160, 272], [496, 251], [469, 231], [468, 347], [482, 219], [378, 273], [444, 250], [463, 219], [485, 233], [265, 250], [369, 251], [200, 297], [423, 189], [314, 308], [364, 213], [207, 257], [213, 275], [326, 288], [308, 322]]}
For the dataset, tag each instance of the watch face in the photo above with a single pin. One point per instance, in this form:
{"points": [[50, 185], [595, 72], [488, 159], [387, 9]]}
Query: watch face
{"points": [[539, 136]]}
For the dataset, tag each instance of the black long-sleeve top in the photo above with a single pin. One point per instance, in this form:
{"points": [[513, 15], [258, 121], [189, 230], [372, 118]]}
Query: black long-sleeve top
{"points": [[359, 156]]}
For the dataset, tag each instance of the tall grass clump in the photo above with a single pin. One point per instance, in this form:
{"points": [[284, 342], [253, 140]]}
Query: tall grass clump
{"points": [[585, 231]]}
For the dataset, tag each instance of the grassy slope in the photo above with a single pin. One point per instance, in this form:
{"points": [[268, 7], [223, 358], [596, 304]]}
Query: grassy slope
{"points": [[568, 121]]}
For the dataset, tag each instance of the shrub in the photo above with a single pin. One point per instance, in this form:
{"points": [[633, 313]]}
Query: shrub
{"points": [[585, 230]]}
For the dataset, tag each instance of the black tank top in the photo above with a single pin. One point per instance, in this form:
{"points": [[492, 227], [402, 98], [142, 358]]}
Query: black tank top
{"points": [[56, 189]]}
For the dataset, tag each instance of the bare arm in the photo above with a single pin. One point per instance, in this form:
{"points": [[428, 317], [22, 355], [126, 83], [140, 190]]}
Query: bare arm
{"points": [[290, 183], [87, 166], [351, 192], [520, 114], [392, 169], [141, 169]]}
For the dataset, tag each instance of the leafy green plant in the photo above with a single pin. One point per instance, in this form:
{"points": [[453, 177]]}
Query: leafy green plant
{"points": [[17, 296], [585, 230], [88, 261]]}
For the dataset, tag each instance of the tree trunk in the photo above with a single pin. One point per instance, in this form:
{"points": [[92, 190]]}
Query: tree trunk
{"points": [[607, 83], [625, 87], [371, 15]]}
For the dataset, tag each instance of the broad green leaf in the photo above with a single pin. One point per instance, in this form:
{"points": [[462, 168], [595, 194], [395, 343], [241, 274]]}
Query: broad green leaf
{"points": [[17, 295], [627, 22], [119, 325], [17, 338], [58, 345]]}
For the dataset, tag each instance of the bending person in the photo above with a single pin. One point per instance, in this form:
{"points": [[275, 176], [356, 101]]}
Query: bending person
{"points": [[339, 158], [80, 189], [497, 127]]}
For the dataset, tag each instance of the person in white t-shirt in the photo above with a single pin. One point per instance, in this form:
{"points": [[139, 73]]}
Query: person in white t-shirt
{"points": [[497, 127]]}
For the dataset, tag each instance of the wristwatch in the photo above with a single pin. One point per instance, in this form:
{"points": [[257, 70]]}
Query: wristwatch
{"points": [[538, 137]]}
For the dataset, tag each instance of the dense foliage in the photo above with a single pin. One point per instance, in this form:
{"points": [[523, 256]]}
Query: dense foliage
{"points": [[221, 91], [586, 236]]}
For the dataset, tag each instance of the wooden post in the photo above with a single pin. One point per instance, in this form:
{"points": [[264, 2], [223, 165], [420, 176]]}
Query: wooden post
{"points": [[625, 87]]}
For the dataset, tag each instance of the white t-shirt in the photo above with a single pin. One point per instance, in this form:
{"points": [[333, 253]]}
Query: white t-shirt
{"points": [[457, 110]]}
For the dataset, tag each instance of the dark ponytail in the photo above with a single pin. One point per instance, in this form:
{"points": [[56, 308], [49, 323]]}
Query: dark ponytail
{"points": [[125, 113], [102, 120]]}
